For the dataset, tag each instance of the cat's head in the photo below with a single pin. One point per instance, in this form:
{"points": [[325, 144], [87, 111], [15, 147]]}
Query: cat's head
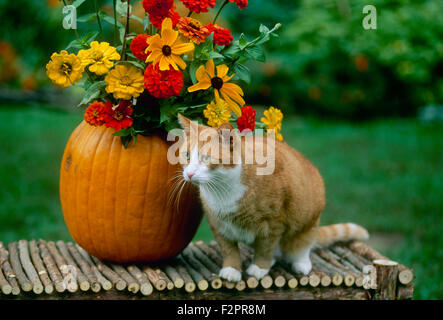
{"points": [[208, 153]]}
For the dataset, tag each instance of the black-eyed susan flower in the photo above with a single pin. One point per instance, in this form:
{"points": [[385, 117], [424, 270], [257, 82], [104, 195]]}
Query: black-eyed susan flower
{"points": [[99, 57], [125, 82], [167, 48], [64, 69], [217, 113], [272, 119], [230, 92]]}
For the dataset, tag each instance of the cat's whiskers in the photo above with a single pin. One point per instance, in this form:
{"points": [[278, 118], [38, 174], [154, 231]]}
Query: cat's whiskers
{"points": [[178, 184]]}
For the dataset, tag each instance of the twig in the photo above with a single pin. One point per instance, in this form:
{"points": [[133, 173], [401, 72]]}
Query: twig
{"points": [[145, 286], [51, 266], [81, 278], [38, 263], [18, 270], [69, 279], [84, 266], [8, 271], [133, 285], [105, 283]]}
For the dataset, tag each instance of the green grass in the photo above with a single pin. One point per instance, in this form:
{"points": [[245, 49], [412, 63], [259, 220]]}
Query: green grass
{"points": [[385, 175]]}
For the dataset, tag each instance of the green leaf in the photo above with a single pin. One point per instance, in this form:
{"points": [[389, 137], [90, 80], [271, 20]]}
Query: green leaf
{"points": [[242, 72], [93, 92], [138, 19], [75, 44], [122, 132], [137, 64], [215, 55], [78, 3], [87, 17], [242, 42], [193, 69], [146, 23], [106, 17], [255, 53]]}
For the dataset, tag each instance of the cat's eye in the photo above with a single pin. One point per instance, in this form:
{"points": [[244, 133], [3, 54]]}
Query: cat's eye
{"points": [[186, 155], [205, 158]]}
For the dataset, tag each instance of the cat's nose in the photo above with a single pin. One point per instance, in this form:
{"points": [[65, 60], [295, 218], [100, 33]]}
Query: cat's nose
{"points": [[190, 174]]}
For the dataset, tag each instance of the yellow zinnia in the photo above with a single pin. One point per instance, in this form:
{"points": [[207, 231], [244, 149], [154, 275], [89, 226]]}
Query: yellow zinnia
{"points": [[64, 69], [99, 57], [272, 119], [125, 82], [217, 113], [167, 48], [207, 78]]}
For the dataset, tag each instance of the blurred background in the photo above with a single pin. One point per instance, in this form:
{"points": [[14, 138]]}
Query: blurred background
{"points": [[365, 106]]}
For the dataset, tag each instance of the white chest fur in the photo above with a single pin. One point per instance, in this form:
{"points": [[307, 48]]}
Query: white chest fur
{"points": [[224, 191], [222, 197]]}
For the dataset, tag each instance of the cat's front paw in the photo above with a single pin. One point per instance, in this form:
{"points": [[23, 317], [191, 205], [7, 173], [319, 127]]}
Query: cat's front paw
{"points": [[230, 274], [304, 266], [257, 272]]}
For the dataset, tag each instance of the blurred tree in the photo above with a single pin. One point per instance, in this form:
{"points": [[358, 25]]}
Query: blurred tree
{"points": [[328, 63]]}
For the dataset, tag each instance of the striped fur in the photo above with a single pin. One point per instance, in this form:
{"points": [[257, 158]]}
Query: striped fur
{"points": [[341, 232]]}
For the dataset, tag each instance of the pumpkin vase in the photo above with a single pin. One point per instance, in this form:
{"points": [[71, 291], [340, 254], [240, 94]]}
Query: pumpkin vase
{"points": [[116, 201]]}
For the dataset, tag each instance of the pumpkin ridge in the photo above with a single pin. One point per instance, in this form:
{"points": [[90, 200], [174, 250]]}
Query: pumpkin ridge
{"points": [[96, 145], [96, 171], [114, 224], [139, 238], [172, 210], [109, 222], [164, 219], [83, 237], [64, 194], [158, 161], [130, 178]]}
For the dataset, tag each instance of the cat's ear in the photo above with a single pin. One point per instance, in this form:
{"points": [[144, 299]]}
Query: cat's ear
{"points": [[184, 122]]}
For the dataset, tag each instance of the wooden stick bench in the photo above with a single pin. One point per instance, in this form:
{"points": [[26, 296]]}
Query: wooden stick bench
{"points": [[47, 270]]}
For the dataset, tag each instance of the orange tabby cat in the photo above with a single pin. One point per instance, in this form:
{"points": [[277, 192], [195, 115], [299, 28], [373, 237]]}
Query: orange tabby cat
{"points": [[277, 214]]}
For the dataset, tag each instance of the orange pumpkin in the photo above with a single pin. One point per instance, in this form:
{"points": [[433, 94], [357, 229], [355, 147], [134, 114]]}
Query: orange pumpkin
{"points": [[115, 200]]}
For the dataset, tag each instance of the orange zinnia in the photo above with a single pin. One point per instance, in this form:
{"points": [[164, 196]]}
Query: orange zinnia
{"points": [[193, 29]]}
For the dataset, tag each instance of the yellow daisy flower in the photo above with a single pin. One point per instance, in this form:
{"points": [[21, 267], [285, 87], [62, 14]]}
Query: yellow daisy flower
{"points": [[217, 113], [125, 82], [272, 119], [99, 57], [64, 69], [167, 48], [207, 77]]}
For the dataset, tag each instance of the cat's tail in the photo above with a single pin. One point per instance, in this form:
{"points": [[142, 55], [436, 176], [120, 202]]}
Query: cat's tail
{"points": [[341, 232]]}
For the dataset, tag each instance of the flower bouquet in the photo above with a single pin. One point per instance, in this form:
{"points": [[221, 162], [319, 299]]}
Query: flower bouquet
{"points": [[139, 83], [114, 176]]}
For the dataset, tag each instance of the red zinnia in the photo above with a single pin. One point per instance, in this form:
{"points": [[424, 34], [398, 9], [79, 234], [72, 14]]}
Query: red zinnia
{"points": [[157, 20], [240, 3], [199, 5], [95, 114], [247, 119], [222, 36], [118, 117], [158, 7], [163, 84], [139, 45]]}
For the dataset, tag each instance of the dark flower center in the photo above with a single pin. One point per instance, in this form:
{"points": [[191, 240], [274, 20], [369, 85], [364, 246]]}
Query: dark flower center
{"points": [[118, 116], [66, 68], [166, 50], [217, 83]]}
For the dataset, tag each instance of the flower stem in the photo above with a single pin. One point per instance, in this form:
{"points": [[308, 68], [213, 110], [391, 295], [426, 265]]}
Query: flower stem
{"points": [[98, 18], [123, 53], [115, 21], [219, 10]]}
